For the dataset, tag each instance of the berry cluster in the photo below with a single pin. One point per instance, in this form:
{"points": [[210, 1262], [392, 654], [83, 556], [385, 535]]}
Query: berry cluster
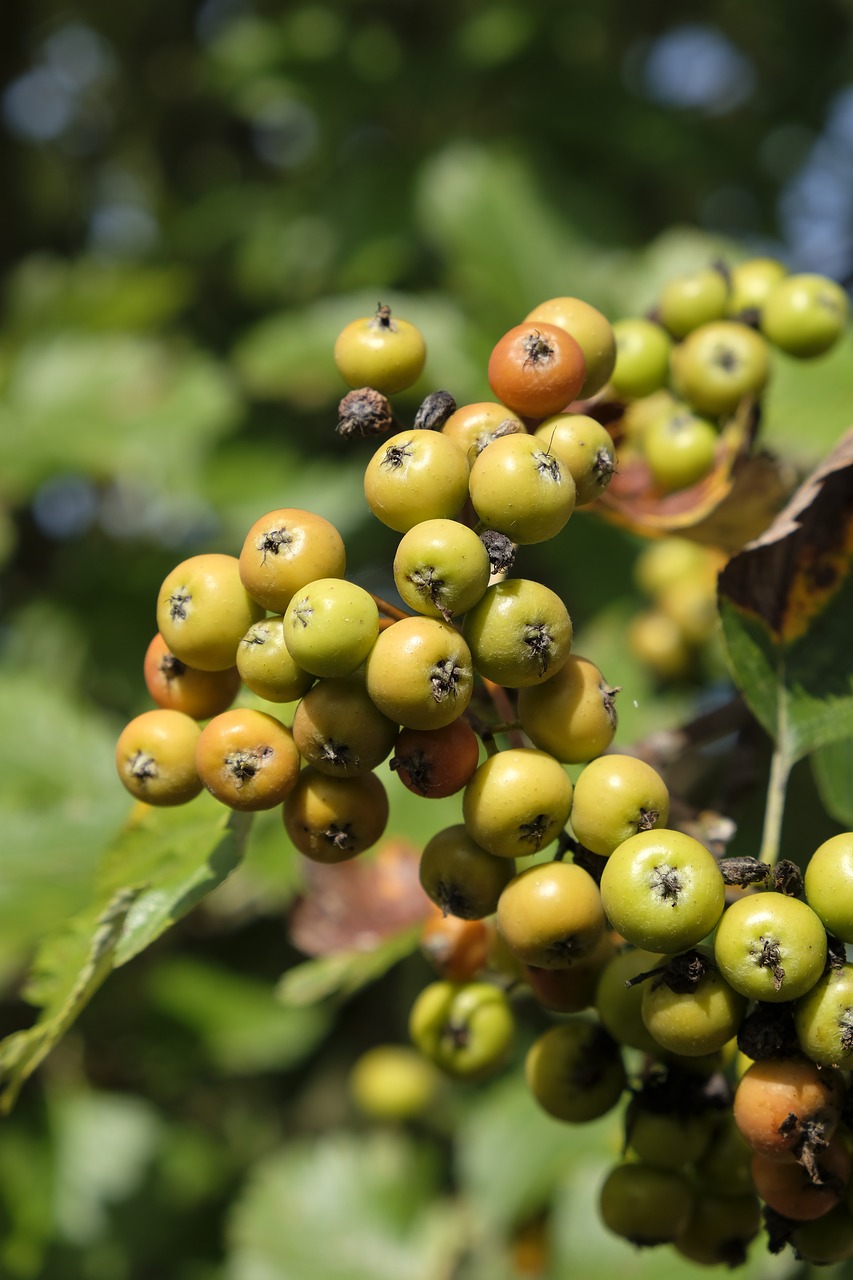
{"points": [[673, 956], [687, 366], [673, 634]]}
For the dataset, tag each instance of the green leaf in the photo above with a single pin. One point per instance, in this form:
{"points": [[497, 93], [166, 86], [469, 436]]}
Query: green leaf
{"points": [[341, 973], [807, 403], [88, 954], [344, 1207], [111, 404], [786, 602], [104, 1145], [243, 1028], [833, 770], [59, 801], [49, 293], [159, 867], [175, 857]]}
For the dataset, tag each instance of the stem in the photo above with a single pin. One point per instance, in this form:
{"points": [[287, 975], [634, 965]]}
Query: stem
{"points": [[780, 768], [389, 610], [504, 708]]}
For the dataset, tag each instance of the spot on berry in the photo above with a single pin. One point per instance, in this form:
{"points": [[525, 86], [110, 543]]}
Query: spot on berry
{"points": [[444, 680], [452, 901], [259, 634], [339, 835], [603, 468], [533, 832], [418, 765], [171, 667], [540, 645], [647, 819], [271, 542], [725, 359], [548, 466], [243, 765], [457, 1033], [538, 350], [143, 766], [427, 583], [338, 754], [666, 884], [768, 955], [302, 613], [396, 455], [178, 601]]}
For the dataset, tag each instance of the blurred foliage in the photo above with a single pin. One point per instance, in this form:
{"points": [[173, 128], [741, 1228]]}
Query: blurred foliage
{"points": [[196, 197]]}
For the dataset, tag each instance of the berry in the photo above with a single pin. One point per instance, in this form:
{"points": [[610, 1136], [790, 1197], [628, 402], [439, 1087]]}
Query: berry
{"points": [[718, 364], [680, 448], [339, 730], [284, 551], [334, 819], [380, 351], [419, 673], [518, 487], [441, 568], [203, 611], [617, 796], [829, 885], [645, 1205], [663, 891], [551, 915], [572, 714], [642, 358], [575, 1071], [591, 330], [175, 686], [536, 369], [247, 759], [330, 627], [805, 315], [695, 1021], [155, 757], [517, 802], [586, 450], [770, 947], [265, 664], [460, 877], [466, 1028], [690, 300], [519, 633], [415, 476], [436, 762]]}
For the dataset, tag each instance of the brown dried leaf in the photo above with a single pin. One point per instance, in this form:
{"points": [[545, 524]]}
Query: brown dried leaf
{"points": [[353, 906]]}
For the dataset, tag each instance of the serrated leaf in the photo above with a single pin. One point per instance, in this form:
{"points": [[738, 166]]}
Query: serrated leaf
{"points": [[341, 973], [89, 955], [345, 1207], [833, 770], [786, 602]]}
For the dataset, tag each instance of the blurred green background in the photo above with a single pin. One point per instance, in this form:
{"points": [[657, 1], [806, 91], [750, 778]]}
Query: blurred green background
{"points": [[196, 198]]}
